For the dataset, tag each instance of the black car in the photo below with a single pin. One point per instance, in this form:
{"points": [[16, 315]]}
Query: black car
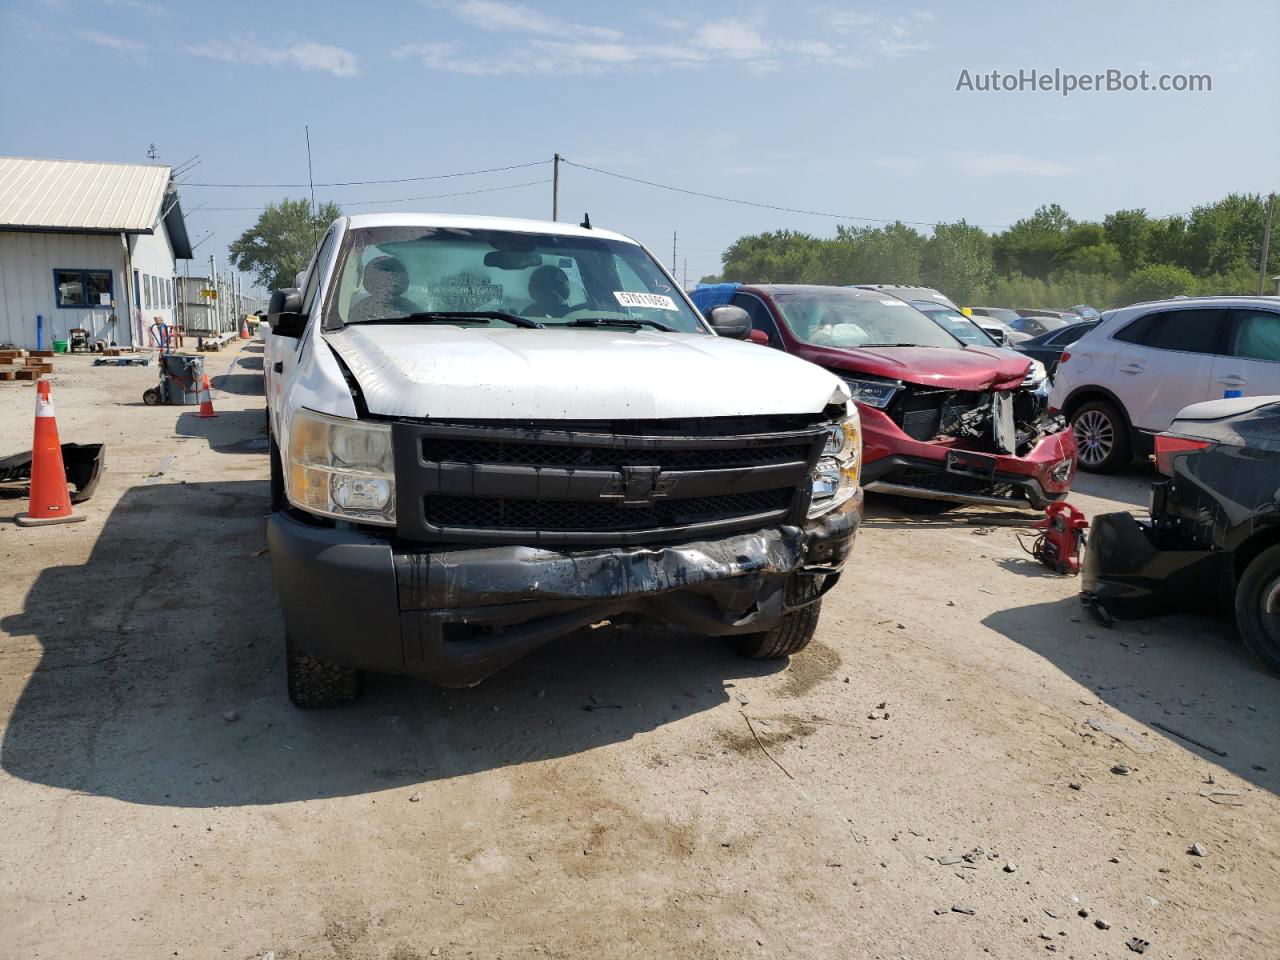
{"points": [[1213, 539], [1048, 347]]}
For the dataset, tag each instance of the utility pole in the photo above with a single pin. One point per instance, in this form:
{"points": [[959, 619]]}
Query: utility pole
{"points": [[555, 187], [1266, 246], [213, 285], [685, 284], [675, 264]]}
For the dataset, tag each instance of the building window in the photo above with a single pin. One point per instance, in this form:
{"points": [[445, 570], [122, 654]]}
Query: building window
{"points": [[82, 288]]}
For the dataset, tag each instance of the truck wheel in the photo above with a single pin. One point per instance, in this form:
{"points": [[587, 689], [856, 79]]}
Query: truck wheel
{"points": [[315, 683], [790, 636], [277, 478], [1102, 438], [1258, 607]]}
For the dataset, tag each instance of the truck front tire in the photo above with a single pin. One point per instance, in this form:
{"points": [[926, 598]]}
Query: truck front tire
{"points": [[791, 635], [316, 683]]}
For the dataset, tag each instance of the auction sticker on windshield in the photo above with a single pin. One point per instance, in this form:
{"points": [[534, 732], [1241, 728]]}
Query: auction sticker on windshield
{"points": [[655, 301]]}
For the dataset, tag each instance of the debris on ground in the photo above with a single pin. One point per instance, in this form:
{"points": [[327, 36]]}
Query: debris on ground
{"points": [[1196, 850], [1229, 798], [1102, 925], [231, 715], [1134, 741], [415, 798], [967, 911], [1121, 769], [1191, 740], [1137, 944]]}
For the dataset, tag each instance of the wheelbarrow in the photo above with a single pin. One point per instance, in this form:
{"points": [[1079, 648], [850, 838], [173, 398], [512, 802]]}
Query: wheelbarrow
{"points": [[180, 378]]}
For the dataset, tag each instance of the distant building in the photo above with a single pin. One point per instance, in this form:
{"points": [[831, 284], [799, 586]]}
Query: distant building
{"points": [[87, 245]]}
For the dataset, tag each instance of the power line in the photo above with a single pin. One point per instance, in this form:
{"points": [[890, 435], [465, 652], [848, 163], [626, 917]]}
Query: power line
{"points": [[431, 196], [364, 183], [766, 206]]}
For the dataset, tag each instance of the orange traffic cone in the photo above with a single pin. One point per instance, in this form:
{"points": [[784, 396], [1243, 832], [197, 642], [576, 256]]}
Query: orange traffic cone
{"points": [[50, 501], [244, 329], [206, 399]]}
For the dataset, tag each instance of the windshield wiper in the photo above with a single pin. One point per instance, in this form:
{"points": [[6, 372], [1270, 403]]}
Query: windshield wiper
{"points": [[862, 345], [450, 316], [619, 322]]}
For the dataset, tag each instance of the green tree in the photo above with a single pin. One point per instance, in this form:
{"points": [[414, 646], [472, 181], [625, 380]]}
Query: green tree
{"points": [[281, 243], [958, 261], [1101, 257], [1158, 281], [889, 254], [1129, 231], [1034, 245], [778, 257]]}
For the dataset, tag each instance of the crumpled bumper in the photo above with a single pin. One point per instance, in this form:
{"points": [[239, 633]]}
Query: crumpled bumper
{"points": [[1130, 576], [454, 616]]}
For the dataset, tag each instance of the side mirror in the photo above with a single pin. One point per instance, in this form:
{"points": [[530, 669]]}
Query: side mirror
{"points": [[285, 313], [731, 322], [758, 336]]}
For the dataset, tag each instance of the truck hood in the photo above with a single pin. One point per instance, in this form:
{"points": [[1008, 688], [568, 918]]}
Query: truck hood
{"points": [[596, 374], [970, 368]]}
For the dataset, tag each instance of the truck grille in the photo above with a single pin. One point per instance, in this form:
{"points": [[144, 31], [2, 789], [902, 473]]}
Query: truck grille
{"points": [[451, 450], [602, 517], [601, 483]]}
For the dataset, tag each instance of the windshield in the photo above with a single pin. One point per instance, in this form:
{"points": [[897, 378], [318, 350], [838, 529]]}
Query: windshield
{"points": [[954, 322], [393, 273], [844, 317]]}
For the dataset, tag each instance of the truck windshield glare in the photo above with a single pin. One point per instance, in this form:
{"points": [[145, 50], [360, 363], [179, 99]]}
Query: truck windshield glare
{"points": [[503, 278]]}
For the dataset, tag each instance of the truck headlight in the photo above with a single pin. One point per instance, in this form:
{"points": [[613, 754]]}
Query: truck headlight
{"points": [[341, 468], [874, 393], [835, 478]]}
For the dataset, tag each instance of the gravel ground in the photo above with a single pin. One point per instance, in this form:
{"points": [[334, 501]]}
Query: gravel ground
{"points": [[924, 781]]}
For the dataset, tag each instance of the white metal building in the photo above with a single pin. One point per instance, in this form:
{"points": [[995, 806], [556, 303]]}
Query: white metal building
{"points": [[88, 246]]}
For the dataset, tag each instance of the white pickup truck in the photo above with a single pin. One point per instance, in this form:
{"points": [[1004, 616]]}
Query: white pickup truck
{"points": [[486, 433]]}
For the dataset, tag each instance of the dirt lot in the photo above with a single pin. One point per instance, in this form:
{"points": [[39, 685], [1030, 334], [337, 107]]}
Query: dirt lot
{"points": [[605, 797]]}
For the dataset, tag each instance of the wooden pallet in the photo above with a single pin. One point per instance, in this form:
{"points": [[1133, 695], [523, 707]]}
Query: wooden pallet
{"points": [[28, 374]]}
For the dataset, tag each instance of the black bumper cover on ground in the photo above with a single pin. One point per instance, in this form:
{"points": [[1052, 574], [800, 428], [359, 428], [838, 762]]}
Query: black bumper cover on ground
{"points": [[454, 616], [1131, 577]]}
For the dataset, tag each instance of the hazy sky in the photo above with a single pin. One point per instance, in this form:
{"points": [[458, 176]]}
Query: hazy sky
{"points": [[843, 108]]}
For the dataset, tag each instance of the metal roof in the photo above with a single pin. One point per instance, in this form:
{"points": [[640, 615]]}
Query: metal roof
{"points": [[81, 196]]}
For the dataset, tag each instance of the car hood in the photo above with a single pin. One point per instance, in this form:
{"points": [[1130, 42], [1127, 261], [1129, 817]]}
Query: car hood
{"points": [[970, 368], [467, 373]]}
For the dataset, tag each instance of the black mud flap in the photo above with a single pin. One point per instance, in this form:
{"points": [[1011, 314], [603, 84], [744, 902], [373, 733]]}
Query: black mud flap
{"points": [[82, 462]]}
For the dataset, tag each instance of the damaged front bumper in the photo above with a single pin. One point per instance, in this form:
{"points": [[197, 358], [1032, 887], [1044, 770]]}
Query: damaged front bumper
{"points": [[941, 469], [455, 616], [1131, 576]]}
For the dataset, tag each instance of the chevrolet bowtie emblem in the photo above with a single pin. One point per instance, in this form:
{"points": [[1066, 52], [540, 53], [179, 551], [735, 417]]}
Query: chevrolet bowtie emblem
{"points": [[638, 486]]}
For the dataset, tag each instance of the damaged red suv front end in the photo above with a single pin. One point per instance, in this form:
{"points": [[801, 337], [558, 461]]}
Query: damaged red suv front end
{"points": [[941, 420]]}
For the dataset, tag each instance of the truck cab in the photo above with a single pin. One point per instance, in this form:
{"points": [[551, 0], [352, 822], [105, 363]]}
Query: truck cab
{"points": [[487, 433]]}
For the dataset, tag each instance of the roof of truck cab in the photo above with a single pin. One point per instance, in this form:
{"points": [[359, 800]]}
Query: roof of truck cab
{"points": [[467, 222]]}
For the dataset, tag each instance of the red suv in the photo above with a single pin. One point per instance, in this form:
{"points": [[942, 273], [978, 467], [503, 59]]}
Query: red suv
{"points": [[941, 420]]}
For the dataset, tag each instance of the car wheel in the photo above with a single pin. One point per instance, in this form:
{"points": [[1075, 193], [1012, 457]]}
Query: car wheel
{"points": [[794, 631], [277, 478], [1258, 607], [1102, 439], [316, 683]]}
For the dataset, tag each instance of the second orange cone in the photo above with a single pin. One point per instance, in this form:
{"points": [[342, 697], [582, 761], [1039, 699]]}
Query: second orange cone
{"points": [[206, 399]]}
